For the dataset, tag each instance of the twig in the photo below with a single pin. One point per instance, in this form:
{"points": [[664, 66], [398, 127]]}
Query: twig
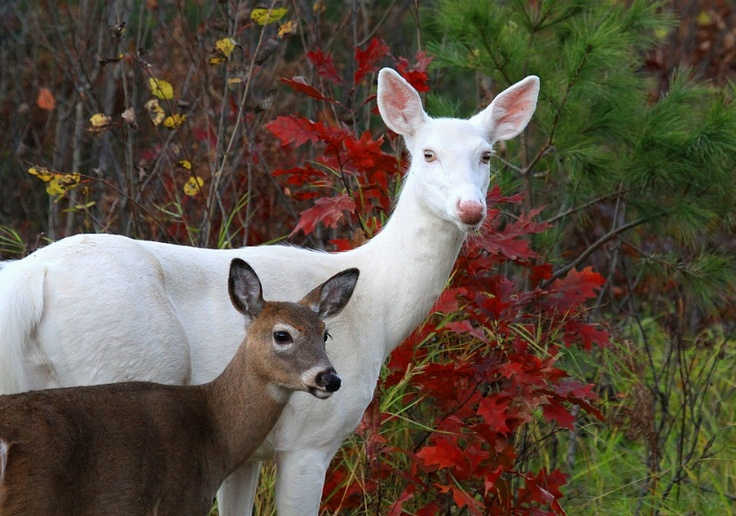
{"points": [[592, 248]]}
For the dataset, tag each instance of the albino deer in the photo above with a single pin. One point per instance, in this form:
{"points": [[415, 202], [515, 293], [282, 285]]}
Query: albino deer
{"points": [[148, 448], [104, 308]]}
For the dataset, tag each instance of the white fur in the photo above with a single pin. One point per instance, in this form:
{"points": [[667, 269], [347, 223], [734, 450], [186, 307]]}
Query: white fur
{"points": [[113, 309], [3, 460]]}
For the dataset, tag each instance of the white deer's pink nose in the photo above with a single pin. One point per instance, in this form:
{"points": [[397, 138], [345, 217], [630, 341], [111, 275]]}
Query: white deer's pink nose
{"points": [[470, 212]]}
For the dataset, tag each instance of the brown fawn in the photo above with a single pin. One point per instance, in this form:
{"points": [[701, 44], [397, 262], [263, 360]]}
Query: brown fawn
{"points": [[146, 448]]}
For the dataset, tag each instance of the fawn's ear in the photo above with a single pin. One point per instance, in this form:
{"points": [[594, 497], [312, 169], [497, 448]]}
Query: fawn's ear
{"points": [[510, 111], [399, 103], [331, 296], [245, 289]]}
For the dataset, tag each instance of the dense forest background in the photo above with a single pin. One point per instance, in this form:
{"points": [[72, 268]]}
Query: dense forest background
{"points": [[580, 360]]}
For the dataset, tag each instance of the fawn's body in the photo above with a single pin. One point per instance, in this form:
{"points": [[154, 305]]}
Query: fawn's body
{"points": [[146, 448]]}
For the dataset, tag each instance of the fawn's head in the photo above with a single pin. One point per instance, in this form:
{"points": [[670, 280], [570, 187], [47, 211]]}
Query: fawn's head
{"points": [[286, 341], [450, 167]]}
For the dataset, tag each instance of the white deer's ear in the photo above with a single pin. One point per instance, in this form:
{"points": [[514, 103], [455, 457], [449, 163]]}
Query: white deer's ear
{"points": [[510, 111], [245, 289], [399, 103]]}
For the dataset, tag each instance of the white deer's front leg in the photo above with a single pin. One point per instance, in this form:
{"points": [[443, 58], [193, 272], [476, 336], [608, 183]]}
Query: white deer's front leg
{"points": [[238, 491], [300, 476]]}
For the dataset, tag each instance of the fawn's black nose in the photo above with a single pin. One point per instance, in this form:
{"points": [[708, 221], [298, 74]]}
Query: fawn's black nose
{"points": [[329, 380]]}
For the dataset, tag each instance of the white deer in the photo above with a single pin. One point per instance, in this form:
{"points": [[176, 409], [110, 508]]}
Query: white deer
{"points": [[102, 308], [148, 448]]}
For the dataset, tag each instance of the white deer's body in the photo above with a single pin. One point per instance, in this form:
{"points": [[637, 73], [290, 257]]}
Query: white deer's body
{"points": [[55, 328]]}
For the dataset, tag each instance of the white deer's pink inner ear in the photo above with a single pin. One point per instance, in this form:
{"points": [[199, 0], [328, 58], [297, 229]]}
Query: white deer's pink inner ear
{"points": [[399, 104], [511, 112]]}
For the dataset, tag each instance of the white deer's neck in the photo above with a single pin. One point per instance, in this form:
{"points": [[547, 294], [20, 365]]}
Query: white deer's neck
{"points": [[408, 263]]}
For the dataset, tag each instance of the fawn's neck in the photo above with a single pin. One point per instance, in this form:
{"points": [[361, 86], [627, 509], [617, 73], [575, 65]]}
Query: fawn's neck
{"points": [[244, 408]]}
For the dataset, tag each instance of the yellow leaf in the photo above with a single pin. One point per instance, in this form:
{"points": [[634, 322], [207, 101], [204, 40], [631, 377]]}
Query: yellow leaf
{"points": [[266, 16], [72, 179], [54, 188], [185, 164], [225, 46], [174, 121], [62, 183], [100, 120], [234, 80], [288, 27], [161, 89], [42, 173], [155, 112], [193, 185]]}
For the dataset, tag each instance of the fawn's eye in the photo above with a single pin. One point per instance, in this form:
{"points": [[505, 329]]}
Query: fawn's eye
{"points": [[282, 337], [429, 156], [327, 336], [486, 158]]}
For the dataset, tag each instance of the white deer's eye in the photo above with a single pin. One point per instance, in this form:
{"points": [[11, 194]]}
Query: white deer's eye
{"points": [[429, 156], [486, 158]]}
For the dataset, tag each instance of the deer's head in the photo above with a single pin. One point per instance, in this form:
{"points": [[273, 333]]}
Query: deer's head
{"points": [[450, 168], [286, 341]]}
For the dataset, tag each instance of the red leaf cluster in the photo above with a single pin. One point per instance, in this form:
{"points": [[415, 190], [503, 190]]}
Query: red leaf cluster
{"points": [[346, 163]]}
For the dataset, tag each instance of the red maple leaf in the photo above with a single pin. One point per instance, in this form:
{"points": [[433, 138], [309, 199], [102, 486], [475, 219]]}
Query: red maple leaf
{"points": [[325, 66], [543, 489], [301, 175], [328, 210], [586, 334], [556, 411], [396, 508], [465, 328], [447, 302], [511, 241], [575, 289], [493, 411], [443, 454], [461, 498], [300, 84], [367, 58], [294, 129], [416, 75]]}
